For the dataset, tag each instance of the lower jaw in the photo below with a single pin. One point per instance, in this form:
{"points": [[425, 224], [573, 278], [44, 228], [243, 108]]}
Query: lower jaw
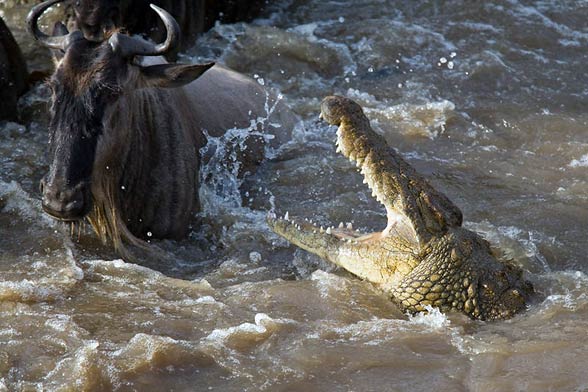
{"points": [[66, 219]]}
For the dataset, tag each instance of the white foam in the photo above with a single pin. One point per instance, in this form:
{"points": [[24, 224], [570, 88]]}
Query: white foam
{"points": [[207, 299], [581, 162], [20, 202], [307, 30], [362, 96], [427, 119], [120, 264], [263, 324], [28, 290], [432, 318]]}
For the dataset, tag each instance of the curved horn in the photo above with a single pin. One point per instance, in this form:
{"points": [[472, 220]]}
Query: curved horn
{"points": [[58, 42], [137, 46]]}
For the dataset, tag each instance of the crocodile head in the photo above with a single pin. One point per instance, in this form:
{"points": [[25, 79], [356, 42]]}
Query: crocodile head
{"points": [[423, 257]]}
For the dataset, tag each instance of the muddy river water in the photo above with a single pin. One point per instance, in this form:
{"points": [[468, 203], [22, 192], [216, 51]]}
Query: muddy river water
{"points": [[487, 99]]}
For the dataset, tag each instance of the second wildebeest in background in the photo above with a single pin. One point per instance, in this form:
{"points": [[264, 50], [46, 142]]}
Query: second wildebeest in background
{"points": [[13, 73], [126, 128], [93, 17]]}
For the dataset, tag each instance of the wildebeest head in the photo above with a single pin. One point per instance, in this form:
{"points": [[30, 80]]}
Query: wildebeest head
{"points": [[90, 78], [95, 18]]}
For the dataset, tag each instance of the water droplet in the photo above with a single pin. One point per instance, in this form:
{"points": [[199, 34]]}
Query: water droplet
{"points": [[371, 69], [442, 60], [453, 54], [149, 234], [450, 65], [341, 19]]}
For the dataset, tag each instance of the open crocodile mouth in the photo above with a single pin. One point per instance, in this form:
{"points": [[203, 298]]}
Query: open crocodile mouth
{"points": [[343, 232], [369, 152]]}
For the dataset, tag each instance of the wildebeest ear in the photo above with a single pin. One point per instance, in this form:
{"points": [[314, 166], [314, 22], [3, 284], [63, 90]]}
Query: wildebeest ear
{"points": [[172, 75]]}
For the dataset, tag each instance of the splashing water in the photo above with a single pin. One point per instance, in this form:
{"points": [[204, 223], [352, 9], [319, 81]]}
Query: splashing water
{"points": [[219, 177]]}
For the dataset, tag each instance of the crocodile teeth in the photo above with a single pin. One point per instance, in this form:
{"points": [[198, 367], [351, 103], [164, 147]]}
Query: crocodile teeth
{"points": [[341, 225], [287, 216], [329, 231], [350, 226]]}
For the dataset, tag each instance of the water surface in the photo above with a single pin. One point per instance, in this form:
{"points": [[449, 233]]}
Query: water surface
{"points": [[486, 100]]}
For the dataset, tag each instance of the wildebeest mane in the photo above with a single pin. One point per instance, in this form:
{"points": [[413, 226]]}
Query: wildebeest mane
{"points": [[142, 116]]}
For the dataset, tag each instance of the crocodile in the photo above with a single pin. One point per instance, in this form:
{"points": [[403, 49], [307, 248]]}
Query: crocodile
{"points": [[423, 258]]}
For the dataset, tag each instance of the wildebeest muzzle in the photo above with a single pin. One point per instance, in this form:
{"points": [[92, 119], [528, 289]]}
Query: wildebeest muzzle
{"points": [[63, 202]]}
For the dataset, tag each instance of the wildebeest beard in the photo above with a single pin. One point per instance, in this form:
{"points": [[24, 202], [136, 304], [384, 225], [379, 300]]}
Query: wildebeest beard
{"points": [[82, 88]]}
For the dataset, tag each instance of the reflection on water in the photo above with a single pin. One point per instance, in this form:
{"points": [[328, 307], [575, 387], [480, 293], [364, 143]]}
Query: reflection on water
{"points": [[487, 100]]}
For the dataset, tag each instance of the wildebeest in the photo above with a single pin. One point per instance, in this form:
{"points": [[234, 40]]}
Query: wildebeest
{"points": [[13, 73], [126, 129], [94, 17]]}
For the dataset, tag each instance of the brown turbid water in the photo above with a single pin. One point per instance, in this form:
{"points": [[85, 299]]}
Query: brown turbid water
{"points": [[487, 99]]}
